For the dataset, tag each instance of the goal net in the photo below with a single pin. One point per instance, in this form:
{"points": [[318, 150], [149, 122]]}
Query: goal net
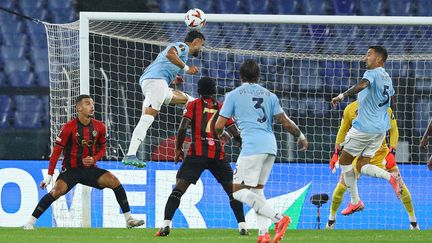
{"points": [[304, 60]]}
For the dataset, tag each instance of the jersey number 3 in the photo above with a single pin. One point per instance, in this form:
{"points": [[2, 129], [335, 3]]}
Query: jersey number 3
{"points": [[258, 105]]}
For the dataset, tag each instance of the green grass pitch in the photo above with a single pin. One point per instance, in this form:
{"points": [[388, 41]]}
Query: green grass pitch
{"points": [[79, 235]]}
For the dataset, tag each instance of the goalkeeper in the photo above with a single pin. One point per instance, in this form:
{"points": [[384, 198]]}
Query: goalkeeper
{"points": [[383, 158]]}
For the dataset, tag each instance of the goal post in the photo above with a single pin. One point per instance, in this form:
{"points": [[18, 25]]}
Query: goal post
{"points": [[305, 60]]}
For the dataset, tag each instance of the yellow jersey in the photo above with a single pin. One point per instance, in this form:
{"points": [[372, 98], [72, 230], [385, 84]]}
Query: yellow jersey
{"points": [[350, 113]]}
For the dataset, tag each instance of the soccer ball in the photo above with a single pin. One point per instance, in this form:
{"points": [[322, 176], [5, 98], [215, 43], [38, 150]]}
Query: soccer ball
{"points": [[195, 19]]}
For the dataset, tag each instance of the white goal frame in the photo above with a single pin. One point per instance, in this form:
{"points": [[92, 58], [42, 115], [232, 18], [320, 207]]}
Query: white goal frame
{"points": [[84, 44]]}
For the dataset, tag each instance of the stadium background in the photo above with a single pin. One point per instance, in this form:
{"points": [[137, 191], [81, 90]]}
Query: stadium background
{"points": [[24, 111]]}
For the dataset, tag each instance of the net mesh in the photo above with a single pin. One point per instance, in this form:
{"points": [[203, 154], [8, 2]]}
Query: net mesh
{"points": [[305, 65]]}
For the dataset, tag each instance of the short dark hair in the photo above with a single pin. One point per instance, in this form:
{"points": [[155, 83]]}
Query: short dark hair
{"points": [[380, 50], [193, 34], [206, 86], [249, 71], [81, 97]]}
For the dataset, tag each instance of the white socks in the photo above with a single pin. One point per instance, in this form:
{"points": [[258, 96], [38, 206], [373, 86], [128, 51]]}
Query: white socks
{"points": [[127, 215], [262, 222], [166, 223], [242, 225], [258, 203], [32, 220], [139, 133], [375, 171], [351, 182]]}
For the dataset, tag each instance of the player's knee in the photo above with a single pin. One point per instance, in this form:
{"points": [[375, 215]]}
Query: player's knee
{"points": [[237, 187], [169, 96], [150, 111], [182, 185], [57, 192], [109, 180]]}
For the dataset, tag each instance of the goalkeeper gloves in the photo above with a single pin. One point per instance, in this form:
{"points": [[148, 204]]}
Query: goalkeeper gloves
{"points": [[334, 162], [390, 158], [46, 181]]}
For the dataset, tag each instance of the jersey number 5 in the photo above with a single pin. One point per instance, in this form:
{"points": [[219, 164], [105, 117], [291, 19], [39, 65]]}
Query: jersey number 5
{"points": [[258, 105], [209, 122], [385, 94]]}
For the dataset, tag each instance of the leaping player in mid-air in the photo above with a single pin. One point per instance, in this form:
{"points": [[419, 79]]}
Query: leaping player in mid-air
{"points": [[154, 84]]}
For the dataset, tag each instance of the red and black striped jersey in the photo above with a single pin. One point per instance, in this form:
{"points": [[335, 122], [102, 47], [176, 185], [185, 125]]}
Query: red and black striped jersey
{"points": [[79, 141], [203, 113]]}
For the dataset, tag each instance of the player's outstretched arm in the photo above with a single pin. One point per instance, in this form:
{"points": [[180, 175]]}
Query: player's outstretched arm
{"points": [[292, 128], [173, 57], [181, 136], [351, 91], [425, 139]]}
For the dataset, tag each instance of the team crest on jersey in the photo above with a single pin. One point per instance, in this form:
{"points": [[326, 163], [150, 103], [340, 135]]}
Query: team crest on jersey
{"points": [[182, 47], [94, 133], [184, 111]]}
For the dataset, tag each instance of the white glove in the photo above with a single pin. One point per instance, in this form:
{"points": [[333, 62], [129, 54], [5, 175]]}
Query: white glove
{"points": [[46, 181], [335, 167]]}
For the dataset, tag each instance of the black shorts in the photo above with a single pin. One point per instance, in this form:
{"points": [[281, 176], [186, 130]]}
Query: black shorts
{"points": [[192, 168], [85, 176]]}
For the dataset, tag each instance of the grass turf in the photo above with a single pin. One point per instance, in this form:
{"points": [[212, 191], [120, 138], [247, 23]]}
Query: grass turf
{"points": [[80, 235]]}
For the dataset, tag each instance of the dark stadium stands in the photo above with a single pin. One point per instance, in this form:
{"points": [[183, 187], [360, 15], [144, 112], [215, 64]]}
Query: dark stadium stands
{"points": [[24, 61]]}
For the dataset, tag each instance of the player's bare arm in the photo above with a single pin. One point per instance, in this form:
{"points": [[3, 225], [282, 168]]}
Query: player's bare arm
{"points": [[173, 57], [220, 124], [292, 128], [425, 139], [181, 136], [350, 92], [235, 133]]}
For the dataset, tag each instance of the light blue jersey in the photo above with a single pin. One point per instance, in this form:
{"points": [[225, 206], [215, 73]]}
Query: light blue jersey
{"points": [[253, 108], [374, 101], [162, 68]]}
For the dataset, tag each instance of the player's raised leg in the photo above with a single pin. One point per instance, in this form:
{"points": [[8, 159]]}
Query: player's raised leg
{"points": [[177, 97], [155, 91], [369, 167], [108, 180]]}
